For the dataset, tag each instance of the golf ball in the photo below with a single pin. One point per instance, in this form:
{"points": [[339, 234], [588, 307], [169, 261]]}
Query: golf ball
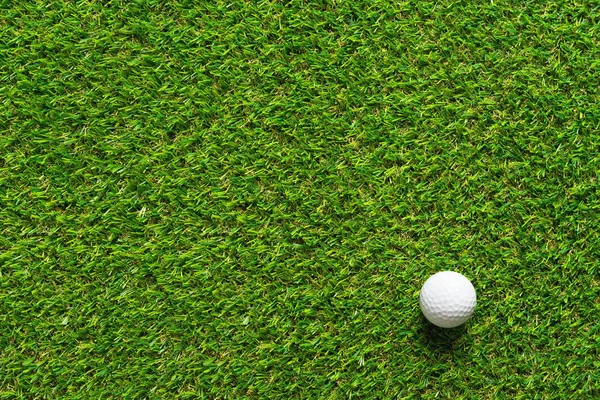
{"points": [[447, 299]]}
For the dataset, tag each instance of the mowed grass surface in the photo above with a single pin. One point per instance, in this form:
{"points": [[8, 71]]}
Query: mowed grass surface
{"points": [[235, 199]]}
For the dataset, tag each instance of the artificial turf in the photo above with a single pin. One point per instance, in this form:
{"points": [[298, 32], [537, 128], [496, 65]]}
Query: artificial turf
{"points": [[239, 199]]}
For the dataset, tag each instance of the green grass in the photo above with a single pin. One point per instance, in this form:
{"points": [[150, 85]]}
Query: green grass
{"points": [[238, 199]]}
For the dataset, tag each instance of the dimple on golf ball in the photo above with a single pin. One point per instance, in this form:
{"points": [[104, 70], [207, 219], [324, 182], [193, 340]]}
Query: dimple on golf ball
{"points": [[447, 299]]}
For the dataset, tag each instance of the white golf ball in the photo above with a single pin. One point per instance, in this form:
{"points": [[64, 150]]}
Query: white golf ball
{"points": [[448, 299]]}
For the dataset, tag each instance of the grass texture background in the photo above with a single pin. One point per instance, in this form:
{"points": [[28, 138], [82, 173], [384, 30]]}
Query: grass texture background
{"points": [[238, 199]]}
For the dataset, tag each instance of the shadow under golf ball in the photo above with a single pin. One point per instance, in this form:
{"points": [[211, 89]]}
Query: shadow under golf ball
{"points": [[441, 338]]}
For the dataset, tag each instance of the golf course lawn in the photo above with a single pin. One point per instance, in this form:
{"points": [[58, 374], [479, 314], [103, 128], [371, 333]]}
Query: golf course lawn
{"points": [[241, 199]]}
